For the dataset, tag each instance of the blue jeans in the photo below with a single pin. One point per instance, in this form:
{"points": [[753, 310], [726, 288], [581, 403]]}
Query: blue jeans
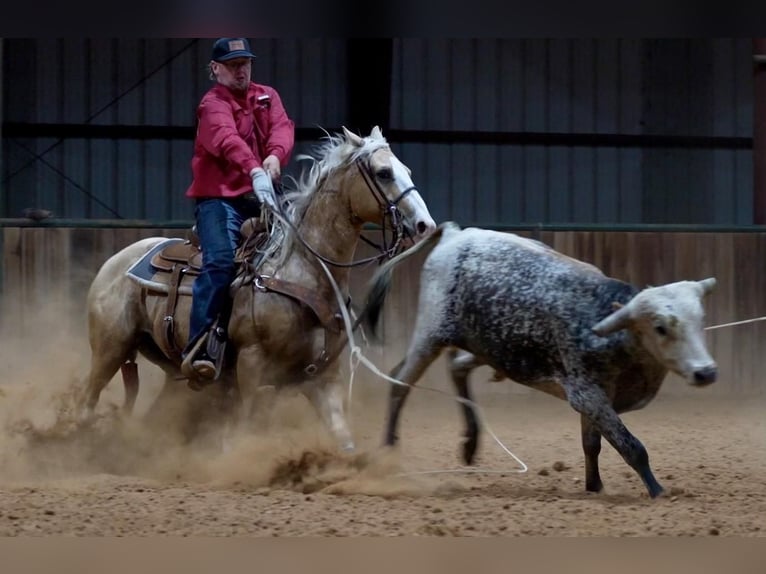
{"points": [[218, 228]]}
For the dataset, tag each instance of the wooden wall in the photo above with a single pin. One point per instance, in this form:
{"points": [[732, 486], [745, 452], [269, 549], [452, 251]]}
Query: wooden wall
{"points": [[45, 266]]}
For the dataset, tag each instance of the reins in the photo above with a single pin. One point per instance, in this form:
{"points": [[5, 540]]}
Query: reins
{"points": [[389, 209]]}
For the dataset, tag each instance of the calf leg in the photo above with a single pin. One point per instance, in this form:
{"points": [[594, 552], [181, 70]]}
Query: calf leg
{"points": [[418, 358], [461, 365], [587, 398], [591, 445]]}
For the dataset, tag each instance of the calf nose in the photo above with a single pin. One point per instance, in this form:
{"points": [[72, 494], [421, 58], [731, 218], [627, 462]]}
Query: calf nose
{"points": [[705, 376]]}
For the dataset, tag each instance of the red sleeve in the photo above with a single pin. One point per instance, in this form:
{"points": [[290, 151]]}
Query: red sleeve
{"points": [[281, 140], [218, 134]]}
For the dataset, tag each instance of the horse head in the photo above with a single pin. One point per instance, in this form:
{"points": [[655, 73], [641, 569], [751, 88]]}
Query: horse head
{"points": [[382, 191]]}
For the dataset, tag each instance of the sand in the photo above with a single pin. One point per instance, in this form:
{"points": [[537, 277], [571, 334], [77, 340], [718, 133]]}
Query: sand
{"points": [[143, 475]]}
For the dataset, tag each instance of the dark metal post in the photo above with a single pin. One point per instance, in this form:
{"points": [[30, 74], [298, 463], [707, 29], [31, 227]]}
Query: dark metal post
{"points": [[2, 119], [759, 131], [369, 83]]}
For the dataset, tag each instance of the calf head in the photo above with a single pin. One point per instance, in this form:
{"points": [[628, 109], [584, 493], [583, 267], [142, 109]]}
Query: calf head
{"points": [[668, 320]]}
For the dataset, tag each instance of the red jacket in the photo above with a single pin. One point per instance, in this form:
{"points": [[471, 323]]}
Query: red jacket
{"points": [[234, 135]]}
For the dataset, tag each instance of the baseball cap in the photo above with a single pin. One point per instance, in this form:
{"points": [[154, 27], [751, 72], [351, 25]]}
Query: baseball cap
{"points": [[230, 48]]}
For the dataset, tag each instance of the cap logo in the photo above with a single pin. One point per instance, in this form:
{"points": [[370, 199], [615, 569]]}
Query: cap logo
{"points": [[235, 45]]}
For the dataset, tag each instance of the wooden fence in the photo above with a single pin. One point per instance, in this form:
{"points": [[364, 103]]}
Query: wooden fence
{"points": [[45, 265]]}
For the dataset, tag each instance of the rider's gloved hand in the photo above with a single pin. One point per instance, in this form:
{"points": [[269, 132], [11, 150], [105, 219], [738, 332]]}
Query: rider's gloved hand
{"points": [[262, 186]]}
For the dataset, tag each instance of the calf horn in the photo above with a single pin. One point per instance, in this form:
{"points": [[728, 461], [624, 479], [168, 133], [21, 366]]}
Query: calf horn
{"points": [[707, 285], [614, 322]]}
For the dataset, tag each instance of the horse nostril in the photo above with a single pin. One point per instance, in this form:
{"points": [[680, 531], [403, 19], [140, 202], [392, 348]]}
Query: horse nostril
{"points": [[425, 227], [705, 376]]}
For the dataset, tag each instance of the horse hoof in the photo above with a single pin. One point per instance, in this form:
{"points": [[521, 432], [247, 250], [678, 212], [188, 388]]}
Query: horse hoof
{"points": [[348, 447], [85, 416]]}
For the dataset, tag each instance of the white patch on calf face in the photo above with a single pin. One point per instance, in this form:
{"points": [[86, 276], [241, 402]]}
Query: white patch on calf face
{"points": [[670, 321]]}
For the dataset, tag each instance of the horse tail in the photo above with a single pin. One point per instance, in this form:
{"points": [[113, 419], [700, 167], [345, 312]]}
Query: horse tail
{"points": [[380, 283]]}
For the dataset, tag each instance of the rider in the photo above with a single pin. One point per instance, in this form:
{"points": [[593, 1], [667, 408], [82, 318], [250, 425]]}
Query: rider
{"points": [[244, 138]]}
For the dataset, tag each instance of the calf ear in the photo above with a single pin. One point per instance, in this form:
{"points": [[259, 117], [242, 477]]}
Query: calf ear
{"points": [[614, 322], [707, 285]]}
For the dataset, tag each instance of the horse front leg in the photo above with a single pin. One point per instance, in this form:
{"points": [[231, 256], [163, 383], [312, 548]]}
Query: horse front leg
{"points": [[228, 406], [257, 393], [326, 395]]}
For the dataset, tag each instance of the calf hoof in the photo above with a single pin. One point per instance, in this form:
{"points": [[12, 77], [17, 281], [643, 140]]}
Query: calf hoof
{"points": [[655, 491], [390, 440], [348, 447], [594, 485], [469, 450]]}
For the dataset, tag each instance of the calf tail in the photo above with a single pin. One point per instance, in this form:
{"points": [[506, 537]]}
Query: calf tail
{"points": [[380, 283]]}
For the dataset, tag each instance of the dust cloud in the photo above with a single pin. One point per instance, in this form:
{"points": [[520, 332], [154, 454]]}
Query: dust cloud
{"points": [[174, 436]]}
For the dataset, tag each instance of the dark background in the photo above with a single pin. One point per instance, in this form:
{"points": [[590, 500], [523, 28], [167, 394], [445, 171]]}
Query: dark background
{"points": [[497, 131]]}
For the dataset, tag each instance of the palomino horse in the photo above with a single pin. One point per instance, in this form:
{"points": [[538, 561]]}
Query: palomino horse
{"points": [[273, 338]]}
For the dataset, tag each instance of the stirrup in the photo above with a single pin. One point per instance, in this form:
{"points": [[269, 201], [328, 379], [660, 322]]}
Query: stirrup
{"points": [[186, 365], [204, 369]]}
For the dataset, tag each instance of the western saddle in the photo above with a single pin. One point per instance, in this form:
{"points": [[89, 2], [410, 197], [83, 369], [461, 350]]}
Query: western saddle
{"points": [[181, 260]]}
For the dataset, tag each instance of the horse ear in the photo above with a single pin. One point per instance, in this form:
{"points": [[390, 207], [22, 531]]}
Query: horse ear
{"points": [[376, 132], [352, 137]]}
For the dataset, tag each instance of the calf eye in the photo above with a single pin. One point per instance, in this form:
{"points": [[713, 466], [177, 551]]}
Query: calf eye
{"points": [[385, 174], [661, 330]]}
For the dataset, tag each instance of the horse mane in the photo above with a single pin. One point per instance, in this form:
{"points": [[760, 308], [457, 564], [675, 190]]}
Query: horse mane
{"points": [[332, 153]]}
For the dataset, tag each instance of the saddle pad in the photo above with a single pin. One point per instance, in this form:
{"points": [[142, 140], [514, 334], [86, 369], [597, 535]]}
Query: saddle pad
{"points": [[143, 271]]}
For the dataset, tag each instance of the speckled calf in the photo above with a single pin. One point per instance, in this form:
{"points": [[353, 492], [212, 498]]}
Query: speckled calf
{"points": [[553, 323]]}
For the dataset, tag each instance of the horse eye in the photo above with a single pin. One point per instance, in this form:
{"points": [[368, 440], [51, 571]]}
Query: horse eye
{"points": [[385, 174], [661, 330]]}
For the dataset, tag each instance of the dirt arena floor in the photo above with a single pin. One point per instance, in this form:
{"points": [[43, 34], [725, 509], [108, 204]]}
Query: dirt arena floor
{"points": [[139, 476]]}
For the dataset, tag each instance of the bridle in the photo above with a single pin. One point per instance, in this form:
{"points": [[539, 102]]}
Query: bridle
{"points": [[389, 210], [390, 214]]}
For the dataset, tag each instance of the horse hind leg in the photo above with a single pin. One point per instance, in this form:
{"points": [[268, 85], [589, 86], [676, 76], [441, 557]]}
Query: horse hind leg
{"points": [[129, 372], [103, 368]]}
